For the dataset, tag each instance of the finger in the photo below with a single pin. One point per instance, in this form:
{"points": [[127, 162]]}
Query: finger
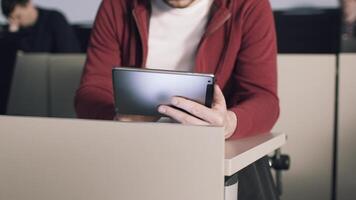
{"points": [[180, 116], [196, 109], [219, 99]]}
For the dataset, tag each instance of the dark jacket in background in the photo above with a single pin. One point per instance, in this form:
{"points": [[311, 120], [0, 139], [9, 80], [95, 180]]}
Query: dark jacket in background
{"points": [[51, 34]]}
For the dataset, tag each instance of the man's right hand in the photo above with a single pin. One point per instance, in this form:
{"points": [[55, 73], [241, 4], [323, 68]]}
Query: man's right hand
{"points": [[135, 118]]}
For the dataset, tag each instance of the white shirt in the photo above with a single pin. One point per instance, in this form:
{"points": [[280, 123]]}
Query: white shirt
{"points": [[175, 33]]}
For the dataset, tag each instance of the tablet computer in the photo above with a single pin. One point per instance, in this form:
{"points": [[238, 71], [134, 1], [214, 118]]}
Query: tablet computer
{"points": [[140, 91]]}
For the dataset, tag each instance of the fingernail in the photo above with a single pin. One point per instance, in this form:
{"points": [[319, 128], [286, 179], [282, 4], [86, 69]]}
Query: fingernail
{"points": [[161, 109]]}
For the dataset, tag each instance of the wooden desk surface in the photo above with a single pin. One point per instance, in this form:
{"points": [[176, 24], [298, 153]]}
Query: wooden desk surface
{"points": [[240, 153]]}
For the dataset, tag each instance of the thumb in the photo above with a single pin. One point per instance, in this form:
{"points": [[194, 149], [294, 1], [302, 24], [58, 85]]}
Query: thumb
{"points": [[219, 99]]}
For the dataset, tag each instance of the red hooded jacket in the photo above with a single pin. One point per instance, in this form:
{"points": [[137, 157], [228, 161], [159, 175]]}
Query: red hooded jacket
{"points": [[239, 47]]}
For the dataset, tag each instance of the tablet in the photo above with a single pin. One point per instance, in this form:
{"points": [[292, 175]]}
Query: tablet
{"points": [[140, 91]]}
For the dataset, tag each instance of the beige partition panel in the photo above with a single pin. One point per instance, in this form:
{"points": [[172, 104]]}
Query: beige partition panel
{"points": [[45, 84], [306, 89], [29, 88], [56, 159], [64, 77], [346, 187]]}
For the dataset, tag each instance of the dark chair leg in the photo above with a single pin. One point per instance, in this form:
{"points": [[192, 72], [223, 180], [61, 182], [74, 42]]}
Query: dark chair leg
{"points": [[256, 182]]}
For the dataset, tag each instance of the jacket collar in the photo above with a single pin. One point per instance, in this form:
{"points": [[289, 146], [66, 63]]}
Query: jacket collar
{"points": [[141, 9], [220, 14]]}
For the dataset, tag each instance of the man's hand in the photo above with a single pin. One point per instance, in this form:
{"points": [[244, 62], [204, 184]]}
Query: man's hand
{"points": [[350, 11], [13, 25], [218, 115], [135, 118]]}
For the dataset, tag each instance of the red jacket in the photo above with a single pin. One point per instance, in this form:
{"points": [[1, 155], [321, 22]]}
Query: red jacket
{"points": [[239, 47]]}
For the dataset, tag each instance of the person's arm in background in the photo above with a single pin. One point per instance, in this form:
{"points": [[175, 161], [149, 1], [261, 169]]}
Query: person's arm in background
{"points": [[94, 98], [255, 74], [64, 36]]}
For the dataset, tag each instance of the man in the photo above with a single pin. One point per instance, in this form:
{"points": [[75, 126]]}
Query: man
{"points": [[234, 39], [350, 17], [38, 30], [350, 11]]}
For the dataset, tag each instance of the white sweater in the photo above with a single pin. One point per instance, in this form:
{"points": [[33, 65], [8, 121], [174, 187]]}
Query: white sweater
{"points": [[175, 33]]}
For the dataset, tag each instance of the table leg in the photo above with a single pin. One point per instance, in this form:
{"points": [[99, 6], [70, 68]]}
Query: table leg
{"points": [[231, 187]]}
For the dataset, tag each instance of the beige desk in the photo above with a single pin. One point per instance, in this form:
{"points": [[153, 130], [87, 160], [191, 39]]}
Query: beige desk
{"points": [[243, 152], [42, 158]]}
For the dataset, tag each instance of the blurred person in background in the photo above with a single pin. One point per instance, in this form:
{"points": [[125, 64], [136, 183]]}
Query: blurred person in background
{"points": [[35, 29], [350, 17], [30, 29]]}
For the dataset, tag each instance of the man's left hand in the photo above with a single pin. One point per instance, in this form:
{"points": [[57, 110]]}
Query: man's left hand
{"points": [[217, 115]]}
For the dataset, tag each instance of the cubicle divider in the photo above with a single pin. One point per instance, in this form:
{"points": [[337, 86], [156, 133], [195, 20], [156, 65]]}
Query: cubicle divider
{"points": [[64, 77], [44, 85], [29, 86], [346, 162], [47, 158], [51, 158], [307, 94]]}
